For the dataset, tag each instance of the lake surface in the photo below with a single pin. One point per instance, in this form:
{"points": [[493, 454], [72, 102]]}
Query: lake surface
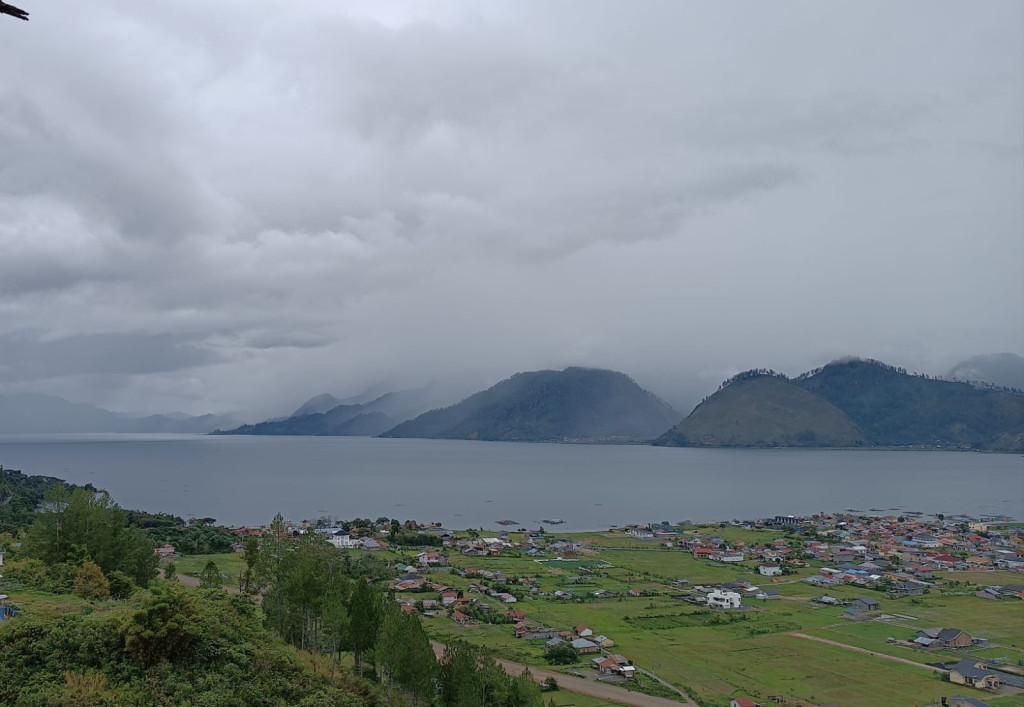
{"points": [[246, 480]]}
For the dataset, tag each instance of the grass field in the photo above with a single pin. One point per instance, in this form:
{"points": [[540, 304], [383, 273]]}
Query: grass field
{"points": [[716, 656], [229, 564]]}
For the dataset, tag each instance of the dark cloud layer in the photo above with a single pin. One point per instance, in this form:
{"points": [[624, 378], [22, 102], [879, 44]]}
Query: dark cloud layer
{"points": [[237, 205]]}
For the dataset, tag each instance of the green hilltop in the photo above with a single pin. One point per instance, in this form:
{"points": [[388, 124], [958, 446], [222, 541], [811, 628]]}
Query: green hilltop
{"points": [[854, 402]]}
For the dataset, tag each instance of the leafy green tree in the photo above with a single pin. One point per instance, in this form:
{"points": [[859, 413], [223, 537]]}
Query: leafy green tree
{"points": [[79, 525], [90, 582], [171, 572], [210, 577], [121, 585], [165, 627], [561, 654]]}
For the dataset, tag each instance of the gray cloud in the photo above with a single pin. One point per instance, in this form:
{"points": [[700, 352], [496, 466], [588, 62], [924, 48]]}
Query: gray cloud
{"points": [[327, 196]]}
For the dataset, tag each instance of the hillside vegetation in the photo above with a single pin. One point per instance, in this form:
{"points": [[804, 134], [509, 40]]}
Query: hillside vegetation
{"points": [[762, 412], [854, 402], [577, 403]]}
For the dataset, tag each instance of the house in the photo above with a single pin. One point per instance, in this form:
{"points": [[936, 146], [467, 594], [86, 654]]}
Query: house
{"points": [[582, 645], [742, 702], [517, 615], [729, 556], [719, 599], [583, 631], [604, 641], [636, 592], [770, 569], [611, 665], [531, 633], [866, 604], [460, 618], [342, 540], [943, 637], [448, 598], [906, 589], [974, 674], [432, 559], [852, 614], [164, 551]]}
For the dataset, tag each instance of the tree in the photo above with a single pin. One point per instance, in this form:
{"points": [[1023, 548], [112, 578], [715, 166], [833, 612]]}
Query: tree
{"points": [[90, 582], [79, 525], [171, 572], [210, 577], [561, 654], [166, 626], [364, 620], [247, 582]]}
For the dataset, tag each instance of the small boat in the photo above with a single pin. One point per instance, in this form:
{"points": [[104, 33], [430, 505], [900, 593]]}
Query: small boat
{"points": [[553, 521], [507, 522]]}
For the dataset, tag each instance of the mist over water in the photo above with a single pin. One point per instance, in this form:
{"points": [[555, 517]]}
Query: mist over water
{"points": [[246, 480]]}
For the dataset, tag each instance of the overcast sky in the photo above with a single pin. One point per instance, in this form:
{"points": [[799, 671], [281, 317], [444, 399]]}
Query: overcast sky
{"points": [[234, 205]]}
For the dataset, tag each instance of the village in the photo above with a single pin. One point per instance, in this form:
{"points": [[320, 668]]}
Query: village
{"points": [[912, 609]]}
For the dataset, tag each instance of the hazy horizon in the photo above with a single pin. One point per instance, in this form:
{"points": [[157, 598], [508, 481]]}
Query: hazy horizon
{"points": [[235, 207]]}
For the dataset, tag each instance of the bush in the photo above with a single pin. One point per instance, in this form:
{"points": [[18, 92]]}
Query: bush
{"points": [[561, 654], [90, 583]]}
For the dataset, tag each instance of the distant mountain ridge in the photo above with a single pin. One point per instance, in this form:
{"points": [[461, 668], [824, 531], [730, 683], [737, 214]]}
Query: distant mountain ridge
{"points": [[34, 413], [853, 402], [344, 418], [1002, 369], [573, 404]]}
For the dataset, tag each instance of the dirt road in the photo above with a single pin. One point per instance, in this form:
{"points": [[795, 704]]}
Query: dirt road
{"points": [[590, 688], [867, 652]]}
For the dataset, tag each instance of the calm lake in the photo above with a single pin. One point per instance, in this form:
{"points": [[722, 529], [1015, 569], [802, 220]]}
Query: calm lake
{"points": [[246, 480]]}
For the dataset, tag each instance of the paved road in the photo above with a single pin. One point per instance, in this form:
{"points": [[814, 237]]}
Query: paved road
{"points": [[855, 649], [590, 688]]}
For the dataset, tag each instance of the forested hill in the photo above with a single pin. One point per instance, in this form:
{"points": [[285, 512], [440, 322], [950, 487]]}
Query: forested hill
{"points": [[892, 407], [763, 411], [577, 403], [20, 494], [854, 402]]}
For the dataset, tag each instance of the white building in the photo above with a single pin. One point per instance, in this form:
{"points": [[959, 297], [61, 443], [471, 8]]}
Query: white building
{"points": [[719, 599], [769, 569], [341, 540]]}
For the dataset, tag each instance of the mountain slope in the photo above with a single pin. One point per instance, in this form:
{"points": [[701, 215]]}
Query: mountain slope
{"points": [[348, 419], [763, 411], [849, 402], [894, 408], [577, 403]]}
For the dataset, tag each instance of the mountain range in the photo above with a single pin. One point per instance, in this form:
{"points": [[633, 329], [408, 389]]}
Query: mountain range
{"points": [[853, 402], [573, 404], [33, 413], [326, 415]]}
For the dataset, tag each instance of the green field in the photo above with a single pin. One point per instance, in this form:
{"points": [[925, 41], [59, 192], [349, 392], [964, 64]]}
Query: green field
{"points": [[716, 656], [229, 564]]}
